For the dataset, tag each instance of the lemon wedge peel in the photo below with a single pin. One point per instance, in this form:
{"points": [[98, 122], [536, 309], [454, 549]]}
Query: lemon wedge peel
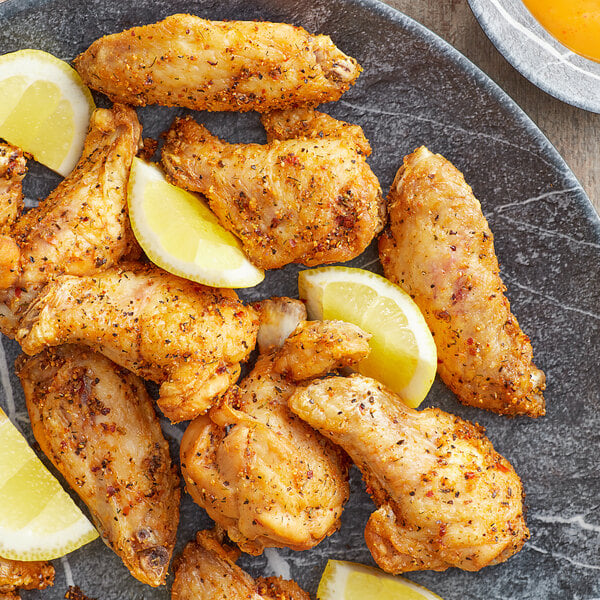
{"points": [[38, 519], [45, 108], [344, 580], [403, 353], [180, 234]]}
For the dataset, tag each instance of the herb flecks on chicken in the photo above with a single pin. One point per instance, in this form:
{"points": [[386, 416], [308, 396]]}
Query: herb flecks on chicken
{"points": [[440, 249], [206, 571], [81, 228], [259, 471], [310, 200], [96, 423], [187, 337], [217, 65], [445, 497]]}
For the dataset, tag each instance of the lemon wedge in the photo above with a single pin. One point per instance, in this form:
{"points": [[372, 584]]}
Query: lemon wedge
{"points": [[45, 108], [403, 353], [38, 519], [343, 580], [181, 235]]}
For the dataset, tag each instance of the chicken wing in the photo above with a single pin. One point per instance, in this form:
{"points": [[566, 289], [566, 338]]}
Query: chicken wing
{"points": [[13, 166], [440, 249], [260, 472], [15, 575], [82, 227], [307, 200], [96, 423], [311, 124], [207, 571], [445, 497], [185, 336], [215, 65]]}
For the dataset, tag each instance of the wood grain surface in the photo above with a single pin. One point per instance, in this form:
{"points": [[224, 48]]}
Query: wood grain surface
{"points": [[574, 132]]}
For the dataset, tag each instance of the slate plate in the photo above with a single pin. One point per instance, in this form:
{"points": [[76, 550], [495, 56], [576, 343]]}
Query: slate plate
{"points": [[415, 90], [538, 55]]}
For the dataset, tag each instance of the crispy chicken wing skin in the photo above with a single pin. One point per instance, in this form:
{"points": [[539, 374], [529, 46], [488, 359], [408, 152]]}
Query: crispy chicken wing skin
{"points": [[185, 336], [446, 498], [15, 575], [96, 423], [82, 227], [307, 200], [207, 571], [440, 249], [13, 166], [259, 471], [308, 123], [214, 65]]}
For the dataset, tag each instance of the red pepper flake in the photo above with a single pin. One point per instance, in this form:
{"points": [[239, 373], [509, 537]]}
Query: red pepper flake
{"points": [[429, 494]]}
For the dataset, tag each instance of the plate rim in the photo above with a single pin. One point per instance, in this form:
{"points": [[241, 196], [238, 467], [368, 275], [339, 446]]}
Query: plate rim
{"points": [[519, 61]]}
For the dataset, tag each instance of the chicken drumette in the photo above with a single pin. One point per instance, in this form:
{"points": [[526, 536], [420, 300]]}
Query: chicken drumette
{"points": [[217, 65], [310, 200], [440, 249], [185, 336], [96, 423], [259, 471], [445, 497], [207, 571], [81, 228]]}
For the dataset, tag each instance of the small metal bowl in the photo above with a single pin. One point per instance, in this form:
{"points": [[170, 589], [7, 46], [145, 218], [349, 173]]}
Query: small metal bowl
{"points": [[537, 55]]}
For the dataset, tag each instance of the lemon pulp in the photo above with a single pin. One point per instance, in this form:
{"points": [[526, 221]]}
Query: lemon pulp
{"points": [[38, 519], [45, 108], [403, 354], [180, 234]]}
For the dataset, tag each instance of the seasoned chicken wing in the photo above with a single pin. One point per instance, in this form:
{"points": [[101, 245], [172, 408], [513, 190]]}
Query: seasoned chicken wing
{"points": [[308, 123], [217, 65], [207, 571], [13, 166], [445, 497], [96, 423], [82, 227], [185, 336], [16, 575], [260, 472], [440, 249], [307, 200]]}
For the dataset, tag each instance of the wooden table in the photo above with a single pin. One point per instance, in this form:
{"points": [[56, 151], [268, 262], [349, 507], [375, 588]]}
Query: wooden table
{"points": [[574, 132]]}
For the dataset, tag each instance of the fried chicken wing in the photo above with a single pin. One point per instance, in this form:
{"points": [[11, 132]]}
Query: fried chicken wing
{"points": [[217, 65], [259, 471], [445, 497], [440, 249], [16, 575], [96, 423], [185, 336], [207, 571], [13, 166], [307, 200], [308, 123], [82, 227]]}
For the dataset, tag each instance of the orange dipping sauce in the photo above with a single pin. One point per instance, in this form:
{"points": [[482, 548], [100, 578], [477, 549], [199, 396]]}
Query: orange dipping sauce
{"points": [[574, 23]]}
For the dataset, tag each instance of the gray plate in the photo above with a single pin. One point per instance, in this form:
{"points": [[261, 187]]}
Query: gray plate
{"points": [[415, 90], [538, 55]]}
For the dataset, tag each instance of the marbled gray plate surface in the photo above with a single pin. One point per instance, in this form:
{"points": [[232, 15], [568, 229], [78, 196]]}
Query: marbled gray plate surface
{"points": [[415, 89], [538, 55]]}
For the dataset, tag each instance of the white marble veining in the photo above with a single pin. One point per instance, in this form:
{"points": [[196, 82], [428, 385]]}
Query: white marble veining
{"points": [[444, 125], [562, 557], [279, 566]]}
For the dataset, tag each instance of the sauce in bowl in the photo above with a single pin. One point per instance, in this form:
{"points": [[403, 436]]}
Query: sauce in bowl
{"points": [[574, 23]]}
